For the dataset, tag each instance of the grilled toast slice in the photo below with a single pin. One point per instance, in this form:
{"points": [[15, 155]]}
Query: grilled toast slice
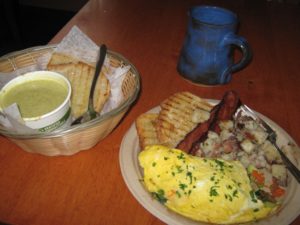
{"points": [[145, 126], [80, 75], [102, 92], [59, 59], [180, 113]]}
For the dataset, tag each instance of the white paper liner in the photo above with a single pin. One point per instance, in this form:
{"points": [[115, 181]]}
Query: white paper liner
{"points": [[12, 120], [80, 46], [116, 95]]}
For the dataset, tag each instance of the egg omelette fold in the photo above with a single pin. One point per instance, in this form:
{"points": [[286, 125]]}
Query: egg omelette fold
{"points": [[207, 190]]}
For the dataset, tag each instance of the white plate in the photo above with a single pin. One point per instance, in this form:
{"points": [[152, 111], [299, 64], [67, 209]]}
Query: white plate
{"points": [[132, 174]]}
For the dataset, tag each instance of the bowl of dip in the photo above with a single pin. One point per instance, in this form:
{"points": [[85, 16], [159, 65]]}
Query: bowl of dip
{"points": [[42, 97]]}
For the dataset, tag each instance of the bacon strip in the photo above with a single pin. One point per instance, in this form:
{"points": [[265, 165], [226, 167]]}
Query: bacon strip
{"points": [[222, 111]]}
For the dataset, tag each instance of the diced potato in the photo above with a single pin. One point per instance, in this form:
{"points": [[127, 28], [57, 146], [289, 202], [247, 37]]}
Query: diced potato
{"points": [[212, 135], [260, 162], [280, 172], [239, 137], [226, 125], [260, 136], [210, 143], [250, 124], [225, 134], [229, 156], [247, 146], [245, 161], [270, 152]]}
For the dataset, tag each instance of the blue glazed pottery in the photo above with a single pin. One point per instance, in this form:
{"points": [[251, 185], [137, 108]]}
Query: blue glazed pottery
{"points": [[207, 53]]}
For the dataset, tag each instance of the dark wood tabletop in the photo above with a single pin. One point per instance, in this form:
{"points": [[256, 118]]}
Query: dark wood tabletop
{"points": [[88, 188]]}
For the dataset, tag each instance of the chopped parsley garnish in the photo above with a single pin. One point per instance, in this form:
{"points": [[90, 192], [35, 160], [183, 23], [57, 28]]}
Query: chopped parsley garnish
{"points": [[228, 197], [220, 164], [160, 196], [252, 195], [178, 194], [190, 176], [179, 169], [182, 186], [213, 191], [238, 183], [217, 181], [234, 194], [181, 156]]}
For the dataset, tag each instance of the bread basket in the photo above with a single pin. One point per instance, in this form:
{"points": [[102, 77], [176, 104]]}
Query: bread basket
{"points": [[75, 138]]}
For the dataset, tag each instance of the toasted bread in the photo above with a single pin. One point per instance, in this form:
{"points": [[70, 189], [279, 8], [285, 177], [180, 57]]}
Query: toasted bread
{"points": [[145, 125], [59, 59], [102, 92], [180, 113], [80, 75]]}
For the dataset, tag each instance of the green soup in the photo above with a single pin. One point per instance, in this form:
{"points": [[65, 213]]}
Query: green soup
{"points": [[35, 97]]}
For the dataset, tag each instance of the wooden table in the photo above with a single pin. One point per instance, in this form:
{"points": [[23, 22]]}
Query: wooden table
{"points": [[87, 188]]}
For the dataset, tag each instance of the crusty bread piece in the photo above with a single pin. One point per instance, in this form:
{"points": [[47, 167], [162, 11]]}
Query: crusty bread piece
{"points": [[145, 126], [102, 92], [180, 113], [80, 75], [59, 59]]}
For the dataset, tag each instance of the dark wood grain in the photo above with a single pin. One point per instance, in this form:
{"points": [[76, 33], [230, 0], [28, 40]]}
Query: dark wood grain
{"points": [[87, 188]]}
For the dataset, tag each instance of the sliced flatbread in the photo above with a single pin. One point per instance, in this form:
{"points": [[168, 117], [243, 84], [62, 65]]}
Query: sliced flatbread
{"points": [[180, 113], [80, 75], [145, 125]]}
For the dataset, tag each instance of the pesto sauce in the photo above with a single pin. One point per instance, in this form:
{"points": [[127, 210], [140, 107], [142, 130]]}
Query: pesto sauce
{"points": [[36, 97]]}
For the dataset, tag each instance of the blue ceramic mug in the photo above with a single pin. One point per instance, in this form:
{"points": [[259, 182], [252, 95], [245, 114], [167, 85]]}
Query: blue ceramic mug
{"points": [[207, 53]]}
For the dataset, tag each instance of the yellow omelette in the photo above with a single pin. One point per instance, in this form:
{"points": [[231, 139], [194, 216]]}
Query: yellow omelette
{"points": [[207, 190]]}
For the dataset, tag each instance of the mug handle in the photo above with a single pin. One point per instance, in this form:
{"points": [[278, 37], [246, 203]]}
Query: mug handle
{"points": [[242, 44]]}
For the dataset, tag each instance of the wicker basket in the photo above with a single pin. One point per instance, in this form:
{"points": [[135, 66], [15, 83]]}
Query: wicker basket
{"points": [[79, 137]]}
